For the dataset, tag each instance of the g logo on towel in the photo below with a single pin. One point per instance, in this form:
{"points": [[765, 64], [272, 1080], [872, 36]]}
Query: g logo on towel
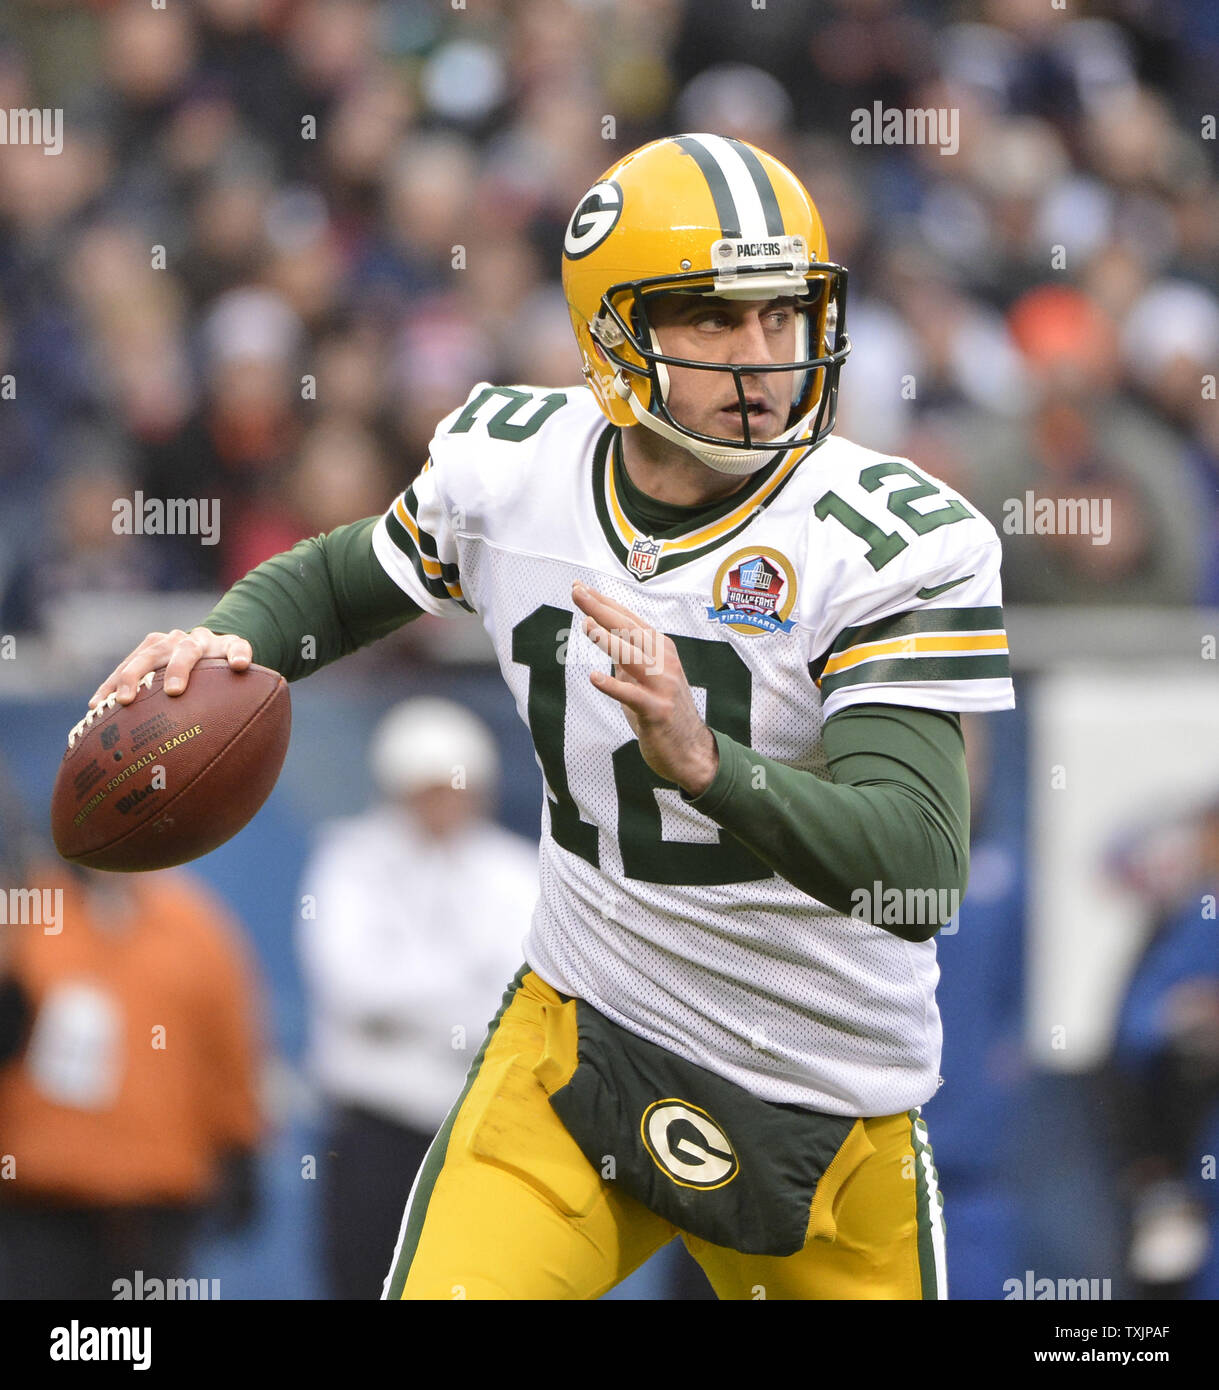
{"points": [[687, 1145]]}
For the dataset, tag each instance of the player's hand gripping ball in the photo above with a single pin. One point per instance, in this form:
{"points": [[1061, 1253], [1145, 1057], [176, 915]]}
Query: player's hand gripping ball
{"points": [[164, 779]]}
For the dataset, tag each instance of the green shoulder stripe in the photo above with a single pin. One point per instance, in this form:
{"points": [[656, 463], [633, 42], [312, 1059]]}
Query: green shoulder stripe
{"points": [[919, 668]]}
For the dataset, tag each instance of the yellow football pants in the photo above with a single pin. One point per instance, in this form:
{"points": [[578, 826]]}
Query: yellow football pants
{"points": [[505, 1205]]}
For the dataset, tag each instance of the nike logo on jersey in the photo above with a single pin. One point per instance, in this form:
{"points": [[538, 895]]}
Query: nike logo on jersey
{"points": [[942, 588]]}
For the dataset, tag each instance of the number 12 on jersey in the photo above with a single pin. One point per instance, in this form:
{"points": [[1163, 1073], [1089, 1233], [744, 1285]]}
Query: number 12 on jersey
{"points": [[714, 666], [884, 545]]}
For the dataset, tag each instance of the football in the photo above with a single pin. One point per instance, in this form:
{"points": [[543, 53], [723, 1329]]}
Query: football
{"points": [[167, 778]]}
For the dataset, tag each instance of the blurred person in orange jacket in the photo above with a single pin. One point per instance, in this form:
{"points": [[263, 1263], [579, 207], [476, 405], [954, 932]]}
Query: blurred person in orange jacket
{"points": [[128, 1056]]}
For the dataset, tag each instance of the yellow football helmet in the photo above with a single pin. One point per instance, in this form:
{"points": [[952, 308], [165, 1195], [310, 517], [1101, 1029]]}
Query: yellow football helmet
{"points": [[706, 215]]}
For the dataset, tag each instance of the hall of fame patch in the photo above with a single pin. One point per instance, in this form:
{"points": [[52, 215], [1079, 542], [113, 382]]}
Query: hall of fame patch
{"points": [[754, 592]]}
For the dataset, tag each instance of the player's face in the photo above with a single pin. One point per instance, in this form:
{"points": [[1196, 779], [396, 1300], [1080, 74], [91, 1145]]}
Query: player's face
{"points": [[727, 330]]}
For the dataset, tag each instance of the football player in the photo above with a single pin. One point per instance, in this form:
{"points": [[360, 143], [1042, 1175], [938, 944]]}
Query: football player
{"points": [[740, 645]]}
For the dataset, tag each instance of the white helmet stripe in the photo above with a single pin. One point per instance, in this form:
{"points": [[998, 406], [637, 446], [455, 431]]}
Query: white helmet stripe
{"points": [[751, 216]]}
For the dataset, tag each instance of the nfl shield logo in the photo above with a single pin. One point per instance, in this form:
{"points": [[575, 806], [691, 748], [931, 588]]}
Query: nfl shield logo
{"points": [[643, 556]]}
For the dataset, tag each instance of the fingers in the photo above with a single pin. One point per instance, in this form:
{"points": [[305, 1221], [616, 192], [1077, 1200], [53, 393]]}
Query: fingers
{"points": [[178, 652], [629, 693], [594, 602], [124, 676], [633, 644], [191, 647], [197, 644], [634, 664], [239, 653], [625, 648]]}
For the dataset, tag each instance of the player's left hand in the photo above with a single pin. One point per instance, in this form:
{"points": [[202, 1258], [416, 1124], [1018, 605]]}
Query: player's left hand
{"points": [[651, 687]]}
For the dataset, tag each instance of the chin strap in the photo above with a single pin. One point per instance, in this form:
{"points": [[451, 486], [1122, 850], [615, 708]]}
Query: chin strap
{"points": [[724, 458]]}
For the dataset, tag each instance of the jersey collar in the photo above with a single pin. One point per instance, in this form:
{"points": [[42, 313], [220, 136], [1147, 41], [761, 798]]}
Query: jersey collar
{"points": [[630, 534]]}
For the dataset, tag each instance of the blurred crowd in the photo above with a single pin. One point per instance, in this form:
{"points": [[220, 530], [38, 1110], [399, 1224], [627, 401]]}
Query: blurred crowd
{"points": [[1162, 1076], [284, 237]]}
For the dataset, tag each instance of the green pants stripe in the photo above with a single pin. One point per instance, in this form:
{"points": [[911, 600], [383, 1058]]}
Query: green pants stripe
{"points": [[930, 1213], [433, 1162]]}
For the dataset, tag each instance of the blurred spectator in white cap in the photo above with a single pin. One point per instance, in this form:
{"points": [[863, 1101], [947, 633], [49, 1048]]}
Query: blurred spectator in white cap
{"points": [[412, 920], [739, 100], [1170, 341]]}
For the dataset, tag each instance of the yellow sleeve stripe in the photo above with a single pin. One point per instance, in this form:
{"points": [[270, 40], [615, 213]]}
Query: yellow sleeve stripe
{"points": [[431, 570], [917, 644]]}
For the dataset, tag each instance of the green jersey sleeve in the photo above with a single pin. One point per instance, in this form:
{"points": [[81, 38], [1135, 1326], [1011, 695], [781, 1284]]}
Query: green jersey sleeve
{"points": [[896, 812], [308, 606]]}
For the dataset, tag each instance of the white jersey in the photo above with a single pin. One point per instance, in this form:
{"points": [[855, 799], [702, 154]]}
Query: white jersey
{"points": [[832, 578]]}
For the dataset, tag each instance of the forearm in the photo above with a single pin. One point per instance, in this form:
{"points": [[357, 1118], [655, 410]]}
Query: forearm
{"points": [[896, 812], [310, 605]]}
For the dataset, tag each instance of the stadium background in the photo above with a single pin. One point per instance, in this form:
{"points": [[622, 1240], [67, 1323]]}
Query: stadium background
{"points": [[1037, 311]]}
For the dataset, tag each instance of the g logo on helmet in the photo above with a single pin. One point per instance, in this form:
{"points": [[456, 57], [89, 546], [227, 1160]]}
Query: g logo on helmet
{"points": [[687, 1145], [594, 219]]}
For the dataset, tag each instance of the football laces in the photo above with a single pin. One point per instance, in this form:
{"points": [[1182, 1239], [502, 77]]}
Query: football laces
{"points": [[104, 707]]}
